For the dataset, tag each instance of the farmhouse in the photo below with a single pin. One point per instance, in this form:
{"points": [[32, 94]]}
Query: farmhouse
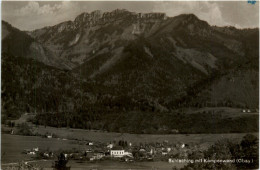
{"points": [[49, 136], [35, 149], [110, 146], [142, 150], [31, 153], [88, 150], [117, 152], [90, 143], [164, 153], [95, 156], [47, 154], [128, 154]]}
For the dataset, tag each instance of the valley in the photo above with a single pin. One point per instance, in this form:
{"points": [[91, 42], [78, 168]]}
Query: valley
{"points": [[129, 90]]}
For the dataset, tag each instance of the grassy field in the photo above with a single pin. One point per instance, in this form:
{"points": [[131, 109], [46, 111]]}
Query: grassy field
{"points": [[12, 146], [224, 112], [109, 165], [99, 136]]}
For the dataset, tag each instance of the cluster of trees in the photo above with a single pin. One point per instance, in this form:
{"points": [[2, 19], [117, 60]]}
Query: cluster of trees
{"points": [[8, 123], [247, 149], [26, 91], [122, 143], [61, 164], [67, 119], [24, 129]]}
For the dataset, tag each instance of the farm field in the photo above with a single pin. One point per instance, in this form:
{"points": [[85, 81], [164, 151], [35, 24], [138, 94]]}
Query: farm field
{"points": [[110, 165], [122, 165], [13, 145], [224, 112], [105, 137]]}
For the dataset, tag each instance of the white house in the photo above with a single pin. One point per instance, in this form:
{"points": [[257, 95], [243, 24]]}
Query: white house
{"points": [[142, 150], [110, 146], [31, 153], [49, 136], [46, 155], [66, 155], [183, 145], [95, 156], [88, 150], [129, 154], [171, 160], [151, 152], [164, 153], [36, 149], [117, 152], [90, 143]]}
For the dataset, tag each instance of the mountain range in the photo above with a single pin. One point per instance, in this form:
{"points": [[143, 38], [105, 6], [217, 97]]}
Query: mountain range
{"points": [[123, 62]]}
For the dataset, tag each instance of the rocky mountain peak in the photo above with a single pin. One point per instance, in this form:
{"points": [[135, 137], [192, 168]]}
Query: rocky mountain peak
{"points": [[99, 17], [191, 19]]}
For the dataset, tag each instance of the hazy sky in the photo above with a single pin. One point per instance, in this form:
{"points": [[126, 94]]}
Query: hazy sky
{"points": [[29, 15]]}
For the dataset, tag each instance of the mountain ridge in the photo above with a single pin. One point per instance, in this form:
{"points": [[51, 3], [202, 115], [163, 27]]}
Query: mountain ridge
{"points": [[136, 26], [19, 43], [123, 63]]}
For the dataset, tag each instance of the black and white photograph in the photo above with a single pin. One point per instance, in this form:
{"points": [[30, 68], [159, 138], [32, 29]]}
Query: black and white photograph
{"points": [[129, 85]]}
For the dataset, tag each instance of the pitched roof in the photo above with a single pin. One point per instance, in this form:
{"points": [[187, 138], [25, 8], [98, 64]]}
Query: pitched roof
{"points": [[117, 148]]}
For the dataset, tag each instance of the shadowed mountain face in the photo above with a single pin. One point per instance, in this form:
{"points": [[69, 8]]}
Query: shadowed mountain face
{"points": [[20, 44], [127, 61]]}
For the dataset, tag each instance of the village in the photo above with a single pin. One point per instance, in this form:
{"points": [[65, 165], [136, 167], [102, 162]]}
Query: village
{"points": [[123, 151]]}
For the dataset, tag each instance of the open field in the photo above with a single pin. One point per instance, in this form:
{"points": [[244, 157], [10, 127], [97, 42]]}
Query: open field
{"points": [[12, 146], [109, 165], [224, 112], [100, 136], [123, 165]]}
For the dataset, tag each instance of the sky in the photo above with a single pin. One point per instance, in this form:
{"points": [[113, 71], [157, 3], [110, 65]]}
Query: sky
{"points": [[30, 15]]}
